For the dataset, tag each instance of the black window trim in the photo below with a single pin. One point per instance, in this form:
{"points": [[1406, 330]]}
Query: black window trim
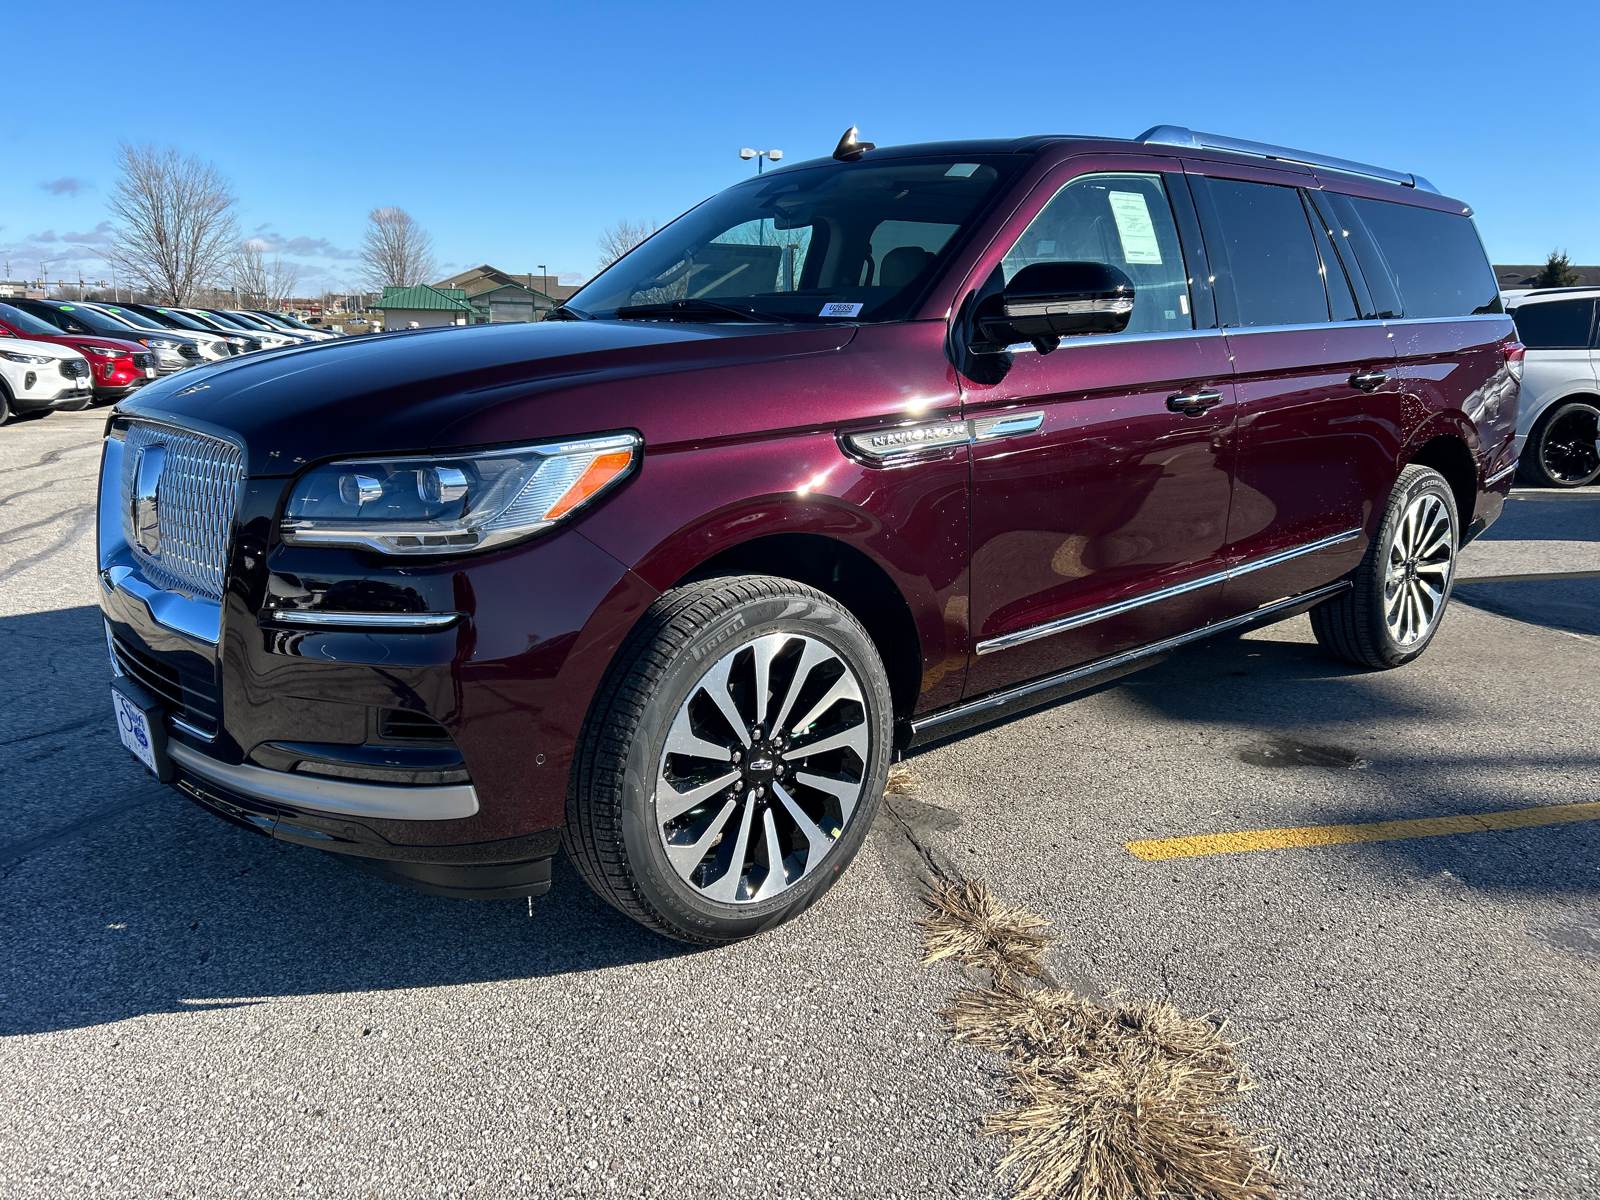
{"points": [[1221, 270], [1322, 210]]}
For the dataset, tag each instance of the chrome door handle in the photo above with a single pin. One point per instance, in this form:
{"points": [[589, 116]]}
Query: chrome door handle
{"points": [[1193, 404], [1368, 381]]}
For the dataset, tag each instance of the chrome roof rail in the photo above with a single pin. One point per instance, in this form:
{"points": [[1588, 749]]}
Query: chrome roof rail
{"points": [[1177, 135]]}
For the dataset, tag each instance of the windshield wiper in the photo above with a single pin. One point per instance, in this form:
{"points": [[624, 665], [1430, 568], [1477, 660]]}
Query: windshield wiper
{"points": [[689, 310], [565, 312]]}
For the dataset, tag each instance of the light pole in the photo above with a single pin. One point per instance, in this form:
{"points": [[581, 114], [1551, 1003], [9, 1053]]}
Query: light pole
{"points": [[761, 157], [544, 282]]}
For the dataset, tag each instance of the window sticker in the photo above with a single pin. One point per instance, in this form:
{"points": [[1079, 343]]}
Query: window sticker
{"points": [[961, 171], [841, 310], [1138, 233]]}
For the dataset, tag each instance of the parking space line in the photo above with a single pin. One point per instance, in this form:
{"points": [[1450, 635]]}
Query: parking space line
{"points": [[1535, 577], [1156, 849]]}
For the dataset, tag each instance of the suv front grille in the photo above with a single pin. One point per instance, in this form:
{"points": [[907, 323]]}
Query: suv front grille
{"points": [[144, 361], [197, 498], [197, 702], [75, 368], [189, 350]]}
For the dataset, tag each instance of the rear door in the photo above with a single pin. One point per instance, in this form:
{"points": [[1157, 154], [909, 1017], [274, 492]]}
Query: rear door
{"points": [[1316, 440], [1099, 507]]}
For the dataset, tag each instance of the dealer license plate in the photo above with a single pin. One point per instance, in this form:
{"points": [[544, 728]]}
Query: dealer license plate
{"points": [[133, 727]]}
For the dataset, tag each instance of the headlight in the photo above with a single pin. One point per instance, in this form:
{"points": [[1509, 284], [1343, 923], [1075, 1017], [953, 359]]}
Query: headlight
{"points": [[160, 344], [453, 502], [100, 351], [35, 359]]}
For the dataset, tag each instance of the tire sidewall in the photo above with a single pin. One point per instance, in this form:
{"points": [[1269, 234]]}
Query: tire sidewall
{"points": [[657, 880], [1426, 482]]}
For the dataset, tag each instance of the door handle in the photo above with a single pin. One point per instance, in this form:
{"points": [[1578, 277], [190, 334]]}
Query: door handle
{"points": [[1368, 381], [1192, 404]]}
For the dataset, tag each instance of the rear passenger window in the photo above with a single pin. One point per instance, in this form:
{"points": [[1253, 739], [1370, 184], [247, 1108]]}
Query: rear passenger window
{"points": [[1436, 258], [1126, 222], [1555, 324], [1266, 251]]}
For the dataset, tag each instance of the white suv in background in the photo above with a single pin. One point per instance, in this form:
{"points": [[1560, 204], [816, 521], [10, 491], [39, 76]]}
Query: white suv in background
{"points": [[1559, 419], [39, 377]]}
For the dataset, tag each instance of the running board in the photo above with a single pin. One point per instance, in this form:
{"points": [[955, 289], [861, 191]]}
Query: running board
{"points": [[944, 722]]}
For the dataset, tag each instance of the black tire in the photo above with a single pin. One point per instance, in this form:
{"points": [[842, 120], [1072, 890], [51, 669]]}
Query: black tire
{"points": [[5, 403], [1356, 626], [1561, 450], [612, 834]]}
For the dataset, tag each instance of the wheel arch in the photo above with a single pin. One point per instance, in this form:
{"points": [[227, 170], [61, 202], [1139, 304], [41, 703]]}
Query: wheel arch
{"points": [[849, 575], [1449, 454]]}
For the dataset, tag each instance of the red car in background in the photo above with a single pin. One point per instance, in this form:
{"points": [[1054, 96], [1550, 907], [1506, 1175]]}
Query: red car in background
{"points": [[118, 366]]}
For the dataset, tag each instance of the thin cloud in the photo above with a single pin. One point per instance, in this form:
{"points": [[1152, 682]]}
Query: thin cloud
{"points": [[100, 235], [65, 186], [271, 242]]}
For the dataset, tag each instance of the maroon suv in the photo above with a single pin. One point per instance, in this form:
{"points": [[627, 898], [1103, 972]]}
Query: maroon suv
{"points": [[849, 457]]}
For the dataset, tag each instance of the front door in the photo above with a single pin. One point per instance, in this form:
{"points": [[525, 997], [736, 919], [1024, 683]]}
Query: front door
{"points": [[1100, 471]]}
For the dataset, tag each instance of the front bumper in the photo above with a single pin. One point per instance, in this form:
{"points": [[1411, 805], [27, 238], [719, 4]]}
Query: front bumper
{"points": [[281, 662]]}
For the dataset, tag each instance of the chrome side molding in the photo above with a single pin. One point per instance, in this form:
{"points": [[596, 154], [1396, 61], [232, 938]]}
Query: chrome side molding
{"points": [[1100, 669], [1088, 617], [897, 444]]}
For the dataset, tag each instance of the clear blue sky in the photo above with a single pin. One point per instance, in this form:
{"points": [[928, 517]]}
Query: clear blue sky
{"points": [[516, 133]]}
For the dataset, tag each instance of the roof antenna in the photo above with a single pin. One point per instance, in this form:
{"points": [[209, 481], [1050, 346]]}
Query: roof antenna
{"points": [[850, 150]]}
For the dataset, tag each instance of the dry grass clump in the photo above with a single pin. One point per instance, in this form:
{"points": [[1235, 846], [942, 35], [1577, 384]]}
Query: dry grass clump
{"points": [[1112, 1101], [971, 925], [901, 781]]}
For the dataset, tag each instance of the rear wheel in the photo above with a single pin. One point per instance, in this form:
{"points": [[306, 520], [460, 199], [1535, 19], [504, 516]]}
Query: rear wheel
{"points": [[1400, 590], [5, 403], [1561, 449], [733, 761]]}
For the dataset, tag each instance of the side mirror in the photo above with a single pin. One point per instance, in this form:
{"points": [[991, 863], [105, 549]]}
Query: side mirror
{"points": [[1049, 301]]}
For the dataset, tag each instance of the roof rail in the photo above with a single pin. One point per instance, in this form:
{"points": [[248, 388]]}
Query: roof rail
{"points": [[1177, 135]]}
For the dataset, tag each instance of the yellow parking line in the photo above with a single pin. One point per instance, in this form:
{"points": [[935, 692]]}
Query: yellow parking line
{"points": [[1156, 849]]}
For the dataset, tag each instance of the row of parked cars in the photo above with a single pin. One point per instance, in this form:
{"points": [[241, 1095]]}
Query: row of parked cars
{"points": [[59, 355]]}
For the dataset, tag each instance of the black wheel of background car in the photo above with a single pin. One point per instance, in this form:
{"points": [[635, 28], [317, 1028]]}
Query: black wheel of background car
{"points": [[5, 403], [1561, 449], [1403, 584], [733, 760]]}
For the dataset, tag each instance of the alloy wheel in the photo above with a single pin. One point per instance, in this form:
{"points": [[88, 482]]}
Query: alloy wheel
{"points": [[1417, 572], [1568, 451], [763, 768]]}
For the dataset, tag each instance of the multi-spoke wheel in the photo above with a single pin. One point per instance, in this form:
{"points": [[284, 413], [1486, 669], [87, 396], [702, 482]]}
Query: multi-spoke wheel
{"points": [[1563, 448], [1417, 569], [733, 761], [1399, 592]]}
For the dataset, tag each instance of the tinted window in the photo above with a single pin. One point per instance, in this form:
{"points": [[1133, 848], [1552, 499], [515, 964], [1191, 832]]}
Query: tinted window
{"points": [[1438, 263], [26, 322], [1555, 324], [1266, 242], [842, 240], [1125, 221]]}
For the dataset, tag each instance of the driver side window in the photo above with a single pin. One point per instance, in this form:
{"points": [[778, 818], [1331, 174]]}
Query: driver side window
{"points": [[1124, 221]]}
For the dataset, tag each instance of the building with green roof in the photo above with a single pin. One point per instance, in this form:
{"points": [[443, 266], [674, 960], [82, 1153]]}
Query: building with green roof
{"points": [[425, 306]]}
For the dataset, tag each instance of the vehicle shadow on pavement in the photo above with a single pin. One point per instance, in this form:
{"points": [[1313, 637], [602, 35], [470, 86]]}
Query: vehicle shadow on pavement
{"points": [[119, 898]]}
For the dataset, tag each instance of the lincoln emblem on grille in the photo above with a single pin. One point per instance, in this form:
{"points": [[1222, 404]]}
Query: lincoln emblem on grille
{"points": [[146, 498]]}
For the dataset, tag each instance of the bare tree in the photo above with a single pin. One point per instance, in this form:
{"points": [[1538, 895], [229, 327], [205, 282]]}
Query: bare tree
{"points": [[247, 270], [622, 237], [177, 230], [396, 251], [281, 278]]}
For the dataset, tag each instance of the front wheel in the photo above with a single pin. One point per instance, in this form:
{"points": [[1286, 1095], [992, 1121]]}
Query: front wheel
{"points": [[733, 760], [1399, 592], [1561, 450]]}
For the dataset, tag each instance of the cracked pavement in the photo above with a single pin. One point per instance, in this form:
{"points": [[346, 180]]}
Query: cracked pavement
{"points": [[190, 1010]]}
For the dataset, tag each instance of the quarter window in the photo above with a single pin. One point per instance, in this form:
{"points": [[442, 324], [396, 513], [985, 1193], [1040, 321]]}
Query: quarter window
{"points": [[1436, 259], [1269, 250], [1555, 324], [1121, 220]]}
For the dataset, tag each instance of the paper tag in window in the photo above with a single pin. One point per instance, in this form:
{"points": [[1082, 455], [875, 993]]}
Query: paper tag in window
{"points": [[1138, 233], [841, 310]]}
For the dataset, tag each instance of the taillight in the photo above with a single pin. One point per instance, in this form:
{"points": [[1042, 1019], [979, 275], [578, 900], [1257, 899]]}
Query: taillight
{"points": [[1514, 352]]}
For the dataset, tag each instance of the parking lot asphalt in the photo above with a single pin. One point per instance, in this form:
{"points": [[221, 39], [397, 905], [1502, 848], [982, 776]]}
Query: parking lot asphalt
{"points": [[189, 1010]]}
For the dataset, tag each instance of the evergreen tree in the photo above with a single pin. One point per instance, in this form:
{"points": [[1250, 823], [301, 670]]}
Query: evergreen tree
{"points": [[1557, 272]]}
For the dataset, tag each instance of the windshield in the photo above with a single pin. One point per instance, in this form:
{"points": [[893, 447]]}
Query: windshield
{"points": [[254, 324], [184, 320], [852, 241], [210, 322], [26, 322], [98, 321], [132, 318]]}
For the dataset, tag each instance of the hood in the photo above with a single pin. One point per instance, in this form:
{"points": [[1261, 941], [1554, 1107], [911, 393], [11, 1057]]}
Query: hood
{"points": [[402, 392], [41, 349]]}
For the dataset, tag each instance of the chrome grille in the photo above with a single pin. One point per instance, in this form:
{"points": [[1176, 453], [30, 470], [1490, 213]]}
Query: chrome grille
{"points": [[196, 501]]}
